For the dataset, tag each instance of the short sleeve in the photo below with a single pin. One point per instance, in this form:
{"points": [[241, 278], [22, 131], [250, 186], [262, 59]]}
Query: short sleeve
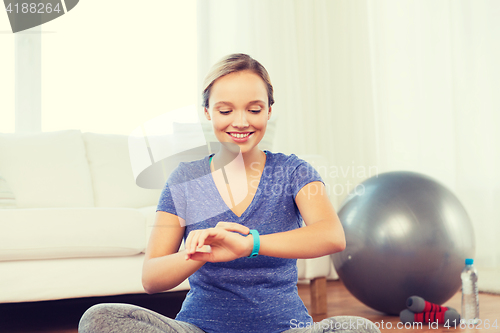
{"points": [[302, 175], [172, 198]]}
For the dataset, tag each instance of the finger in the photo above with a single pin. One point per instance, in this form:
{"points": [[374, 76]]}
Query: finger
{"points": [[201, 256], [194, 241], [209, 235], [204, 248], [187, 243], [232, 226], [202, 238]]}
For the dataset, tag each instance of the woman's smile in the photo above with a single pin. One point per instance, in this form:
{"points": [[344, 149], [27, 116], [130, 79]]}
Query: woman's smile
{"points": [[240, 137]]}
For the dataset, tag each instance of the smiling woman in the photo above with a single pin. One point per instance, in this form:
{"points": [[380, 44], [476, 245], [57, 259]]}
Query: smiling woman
{"points": [[255, 239]]}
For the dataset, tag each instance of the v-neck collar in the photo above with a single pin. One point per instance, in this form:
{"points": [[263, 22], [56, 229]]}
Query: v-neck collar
{"points": [[255, 197]]}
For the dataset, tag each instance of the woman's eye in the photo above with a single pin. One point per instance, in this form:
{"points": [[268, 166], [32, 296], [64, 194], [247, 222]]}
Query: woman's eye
{"points": [[228, 111]]}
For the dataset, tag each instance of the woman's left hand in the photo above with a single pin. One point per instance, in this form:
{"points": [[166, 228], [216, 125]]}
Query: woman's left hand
{"points": [[225, 241]]}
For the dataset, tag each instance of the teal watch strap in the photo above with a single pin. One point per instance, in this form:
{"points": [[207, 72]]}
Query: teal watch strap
{"points": [[256, 243]]}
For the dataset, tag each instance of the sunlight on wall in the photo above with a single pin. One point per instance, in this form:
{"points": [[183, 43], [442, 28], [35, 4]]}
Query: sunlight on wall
{"points": [[109, 68], [7, 114]]}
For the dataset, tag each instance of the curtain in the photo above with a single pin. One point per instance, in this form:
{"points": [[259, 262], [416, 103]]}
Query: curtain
{"points": [[377, 87]]}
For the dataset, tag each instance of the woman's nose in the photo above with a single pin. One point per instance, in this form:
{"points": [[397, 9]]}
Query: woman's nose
{"points": [[240, 120]]}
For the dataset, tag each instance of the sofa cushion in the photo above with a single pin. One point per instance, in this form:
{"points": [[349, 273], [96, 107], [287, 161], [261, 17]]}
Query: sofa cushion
{"points": [[46, 169], [112, 177], [51, 279], [45, 233], [150, 216], [7, 198]]}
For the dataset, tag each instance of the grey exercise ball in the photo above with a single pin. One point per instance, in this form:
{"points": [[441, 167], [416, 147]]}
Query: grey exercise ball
{"points": [[406, 235]]}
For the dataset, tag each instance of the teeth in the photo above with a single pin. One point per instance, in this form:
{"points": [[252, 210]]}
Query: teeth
{"points": [[239, 135]]}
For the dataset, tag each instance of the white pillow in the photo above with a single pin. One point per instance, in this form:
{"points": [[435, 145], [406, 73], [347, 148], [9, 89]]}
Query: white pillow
{"points": [[46, 169], [112, 176]]}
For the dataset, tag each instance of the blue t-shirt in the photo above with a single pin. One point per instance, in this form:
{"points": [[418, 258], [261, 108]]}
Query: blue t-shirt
{"points": [[247, 294]]}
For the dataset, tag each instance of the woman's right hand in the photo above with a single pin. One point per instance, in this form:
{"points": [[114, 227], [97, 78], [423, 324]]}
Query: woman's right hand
{"points": [[225, 240]]}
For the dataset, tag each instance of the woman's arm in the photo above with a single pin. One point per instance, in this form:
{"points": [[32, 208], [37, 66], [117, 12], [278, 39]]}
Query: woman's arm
{"points": [[164, 267], [322, 235]]}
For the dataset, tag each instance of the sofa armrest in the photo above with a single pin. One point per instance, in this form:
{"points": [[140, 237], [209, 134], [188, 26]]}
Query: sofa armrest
{"points": [[313, 268]]}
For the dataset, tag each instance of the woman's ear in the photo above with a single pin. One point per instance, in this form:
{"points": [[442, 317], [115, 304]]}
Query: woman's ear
{"points": [[269, 113], [207, 114]]}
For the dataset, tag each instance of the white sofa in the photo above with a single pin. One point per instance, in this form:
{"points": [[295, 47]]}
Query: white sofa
{"points": [[73, 222]]}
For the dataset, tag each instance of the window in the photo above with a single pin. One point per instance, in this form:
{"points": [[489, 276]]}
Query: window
{"points": [[109, 66]]}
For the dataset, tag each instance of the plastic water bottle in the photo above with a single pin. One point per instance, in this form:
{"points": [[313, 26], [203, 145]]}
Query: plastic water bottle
{"points": [[470, 298]]}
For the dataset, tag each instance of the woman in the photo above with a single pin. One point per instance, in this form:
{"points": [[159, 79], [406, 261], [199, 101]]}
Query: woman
{"points": [[247, 206]]}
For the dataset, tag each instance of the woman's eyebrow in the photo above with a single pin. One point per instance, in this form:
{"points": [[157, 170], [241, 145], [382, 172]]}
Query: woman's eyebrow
{"points": [[231, 104], [256, 101]]}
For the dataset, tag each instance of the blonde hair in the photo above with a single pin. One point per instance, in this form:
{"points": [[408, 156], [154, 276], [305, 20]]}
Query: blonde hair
{"points": [[234, 63]]}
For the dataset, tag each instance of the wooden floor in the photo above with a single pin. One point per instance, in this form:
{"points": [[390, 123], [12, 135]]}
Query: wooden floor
{"points": [[63, 316], [341, 302]]}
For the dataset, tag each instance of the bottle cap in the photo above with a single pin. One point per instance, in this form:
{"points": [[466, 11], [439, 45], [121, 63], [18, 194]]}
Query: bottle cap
{"points": [[469, 261]]}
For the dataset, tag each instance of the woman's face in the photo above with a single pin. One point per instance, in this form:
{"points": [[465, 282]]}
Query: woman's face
{"points": [[238, 108]]}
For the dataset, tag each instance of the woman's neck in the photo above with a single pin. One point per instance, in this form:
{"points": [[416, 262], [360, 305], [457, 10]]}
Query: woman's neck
{"points": [[251, 160]]}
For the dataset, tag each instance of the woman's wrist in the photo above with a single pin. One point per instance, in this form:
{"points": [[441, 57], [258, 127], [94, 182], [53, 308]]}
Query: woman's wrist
{"points": [[187, 256], [255, 243], [249, 245]]}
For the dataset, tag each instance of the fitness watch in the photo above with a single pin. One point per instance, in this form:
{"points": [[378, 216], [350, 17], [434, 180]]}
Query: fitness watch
{"points": [[256, 243]]}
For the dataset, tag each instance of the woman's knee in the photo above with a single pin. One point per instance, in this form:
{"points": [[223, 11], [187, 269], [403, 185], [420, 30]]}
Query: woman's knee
{"points": [[348, 324], [97, 318]]}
